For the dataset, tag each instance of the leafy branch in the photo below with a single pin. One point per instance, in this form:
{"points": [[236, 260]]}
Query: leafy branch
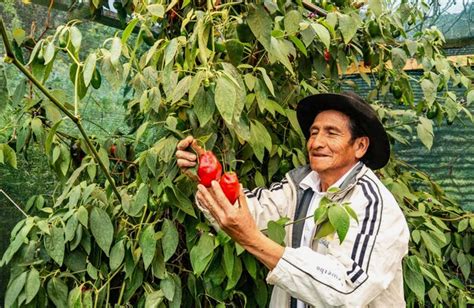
{"points": [[11, 58]]}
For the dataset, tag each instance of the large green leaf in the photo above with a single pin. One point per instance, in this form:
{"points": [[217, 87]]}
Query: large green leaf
{"points": [[425, 132], [204, 105], [201, 254], [340, 220], [134, 207], [55, 244], [225, 98], [101, 228], [33, 284], [261, 24], [147, 243], [8, 155], [117, 255], [170, 239], [58, 292], [14, 289], [348, 24]]}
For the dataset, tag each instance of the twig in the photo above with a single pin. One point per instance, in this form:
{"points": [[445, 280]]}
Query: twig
{"points": [[16, 205]]}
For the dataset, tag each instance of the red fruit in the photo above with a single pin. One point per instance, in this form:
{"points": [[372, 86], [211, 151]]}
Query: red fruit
{"points": [[230, 186], [327, 55], [209, 169], [113, 150]]}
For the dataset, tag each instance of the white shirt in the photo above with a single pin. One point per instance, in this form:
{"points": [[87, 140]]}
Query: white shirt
{"points": [[313, 181]]}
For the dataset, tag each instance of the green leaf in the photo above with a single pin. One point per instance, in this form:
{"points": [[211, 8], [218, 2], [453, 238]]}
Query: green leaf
{"points": [[225, 98], [147, 243], [235, 51], [339, 218], [236, 273], [154, 299], [83, 216], [348, 24], [324, 230], [261, 24], [228, 258], [76, 37], [204, 105], [463, 225], [9, 155], [156, 10], [259, 139], [292, 21], [89, 68], [180, 200], [202, 253], [320, 214], [299, 44], [425, 132], [464, 264], [399, 58], [138, 203], [351, 212], [128, 30], [117, 255], [376, 6], [276, 232], [14, 288], [178, 293], [74, 298], [19, 35], [115, 51], [414, 279], [250, 264], [32, 285], [49, 53], [181, 89], [54, 244], [168, 287], [170, 239], [267, 80], [323, 33], [101, 228], [71, 227], [58, 292], [170, 51]]}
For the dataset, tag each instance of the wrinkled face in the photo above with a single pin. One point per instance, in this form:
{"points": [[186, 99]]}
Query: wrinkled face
{"points": [[330, 146]]}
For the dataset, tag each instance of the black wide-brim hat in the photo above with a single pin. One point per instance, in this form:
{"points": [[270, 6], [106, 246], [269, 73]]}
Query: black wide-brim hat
{"points": [[352, 105]]}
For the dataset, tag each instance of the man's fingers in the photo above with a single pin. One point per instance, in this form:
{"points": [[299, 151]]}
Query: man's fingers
{"points": [[219, 195], [183, 163], [209, 202], [185, 143], [199, 150], [180, 154]]}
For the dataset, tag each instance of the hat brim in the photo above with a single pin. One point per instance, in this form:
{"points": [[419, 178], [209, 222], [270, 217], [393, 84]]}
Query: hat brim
{"points": [[378, 153]]}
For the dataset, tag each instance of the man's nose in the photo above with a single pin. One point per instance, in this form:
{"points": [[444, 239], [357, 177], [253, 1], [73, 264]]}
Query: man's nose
{"points": [[316, 141]]}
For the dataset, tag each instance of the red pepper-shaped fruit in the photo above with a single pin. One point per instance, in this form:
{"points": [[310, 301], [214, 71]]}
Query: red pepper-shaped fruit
{"points": [[230, 186], [209, 169], [327, 55]]}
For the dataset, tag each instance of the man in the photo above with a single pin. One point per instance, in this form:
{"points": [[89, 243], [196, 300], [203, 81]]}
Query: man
{"points": [[345, 140]]}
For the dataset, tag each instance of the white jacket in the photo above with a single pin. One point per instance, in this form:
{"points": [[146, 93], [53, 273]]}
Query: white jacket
{"points": [[364, 271]]}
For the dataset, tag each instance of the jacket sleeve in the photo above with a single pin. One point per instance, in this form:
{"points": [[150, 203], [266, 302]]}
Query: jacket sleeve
{"points": [[265, 204], [354, 273]]}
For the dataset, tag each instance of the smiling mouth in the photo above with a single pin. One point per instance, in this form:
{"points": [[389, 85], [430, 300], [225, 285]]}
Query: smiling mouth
{"points": [[319, 155]]}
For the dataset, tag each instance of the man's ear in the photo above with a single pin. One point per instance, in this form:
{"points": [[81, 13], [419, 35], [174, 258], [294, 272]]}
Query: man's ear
{"points": [[361, 145]]}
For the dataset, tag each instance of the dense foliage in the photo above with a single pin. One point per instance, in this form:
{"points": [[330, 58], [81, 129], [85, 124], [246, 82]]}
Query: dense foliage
{"points": [[121, 227]]}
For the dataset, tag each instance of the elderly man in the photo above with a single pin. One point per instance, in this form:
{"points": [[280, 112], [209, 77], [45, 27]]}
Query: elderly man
{"points": [[345, 142]]}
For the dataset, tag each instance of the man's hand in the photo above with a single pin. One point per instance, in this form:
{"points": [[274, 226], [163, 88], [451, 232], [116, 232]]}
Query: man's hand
{"points": [[237, 221], [186, 159]]}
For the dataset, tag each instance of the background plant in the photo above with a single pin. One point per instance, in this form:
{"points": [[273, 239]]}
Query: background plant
{"points": [[125, 231]]}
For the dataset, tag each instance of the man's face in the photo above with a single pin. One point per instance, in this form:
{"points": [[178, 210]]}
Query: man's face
{"points": [[330, 146]]}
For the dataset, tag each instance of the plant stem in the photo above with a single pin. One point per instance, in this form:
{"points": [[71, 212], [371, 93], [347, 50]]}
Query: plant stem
{"points": [[291, 222], [57, 103]]}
